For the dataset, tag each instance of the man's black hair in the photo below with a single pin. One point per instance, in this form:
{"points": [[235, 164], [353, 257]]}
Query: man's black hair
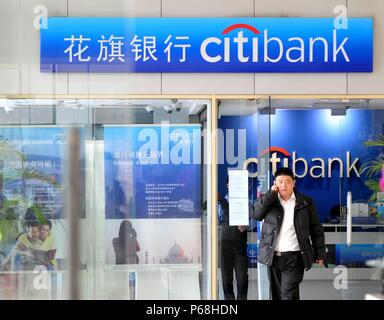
{"points": [[284, 171]]}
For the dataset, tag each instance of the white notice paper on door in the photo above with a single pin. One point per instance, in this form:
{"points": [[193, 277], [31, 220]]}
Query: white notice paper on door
{"points": [[238, 184], [238, 212], [238, 198]]}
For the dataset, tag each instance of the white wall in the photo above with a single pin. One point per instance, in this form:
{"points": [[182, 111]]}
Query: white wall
{"points": [[19, 49], [370, 83]]}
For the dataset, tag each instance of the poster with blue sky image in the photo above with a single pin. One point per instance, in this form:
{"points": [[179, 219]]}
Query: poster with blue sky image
{"points": [[32, 176], [32, 167]]}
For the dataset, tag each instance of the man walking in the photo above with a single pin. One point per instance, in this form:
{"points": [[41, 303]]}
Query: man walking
{"points": [[292, 238]]}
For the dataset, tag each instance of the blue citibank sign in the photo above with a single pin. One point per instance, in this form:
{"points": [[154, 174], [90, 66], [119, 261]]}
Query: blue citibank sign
{"points": [[206, 45]]}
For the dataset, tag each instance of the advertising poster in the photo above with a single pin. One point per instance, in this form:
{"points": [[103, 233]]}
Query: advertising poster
{"points": [[153, 194], [32, 195]]}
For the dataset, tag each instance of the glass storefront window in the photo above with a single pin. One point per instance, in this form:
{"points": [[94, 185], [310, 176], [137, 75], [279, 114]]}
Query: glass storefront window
{"points": [[143, 217], [143, 193]]}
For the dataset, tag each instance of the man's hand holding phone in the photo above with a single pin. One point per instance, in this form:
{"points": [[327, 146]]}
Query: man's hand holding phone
{"points": [[275, 187]]}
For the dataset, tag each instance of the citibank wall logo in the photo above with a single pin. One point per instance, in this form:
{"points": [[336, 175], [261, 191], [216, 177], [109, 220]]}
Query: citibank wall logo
{"points": [[316, 167], [272, 49], [206, 45]]}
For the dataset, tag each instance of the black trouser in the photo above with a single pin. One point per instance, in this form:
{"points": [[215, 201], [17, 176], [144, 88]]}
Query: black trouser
{"points": [[234, 256], [285, 275]]}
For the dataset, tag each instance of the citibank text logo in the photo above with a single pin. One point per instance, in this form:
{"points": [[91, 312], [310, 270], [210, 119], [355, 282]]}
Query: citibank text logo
{"points": [[295, 50], [316, 167]]}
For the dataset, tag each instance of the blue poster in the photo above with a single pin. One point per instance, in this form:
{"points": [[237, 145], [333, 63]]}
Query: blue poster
{"points": [[152, 172]]}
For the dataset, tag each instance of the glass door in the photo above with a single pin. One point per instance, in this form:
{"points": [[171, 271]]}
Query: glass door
{"points": [[334, 147], [360, 240], [243, 145]]}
